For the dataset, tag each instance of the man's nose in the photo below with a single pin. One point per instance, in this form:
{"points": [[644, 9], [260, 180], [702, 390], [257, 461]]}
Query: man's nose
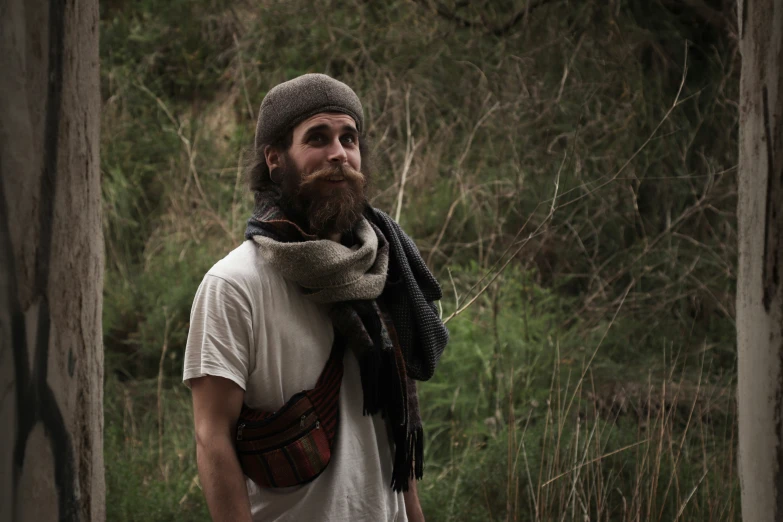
{"points": [[337, 153]]}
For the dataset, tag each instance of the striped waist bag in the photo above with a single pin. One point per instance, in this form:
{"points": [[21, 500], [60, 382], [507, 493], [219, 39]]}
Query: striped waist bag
{"points": [[292, 445]]}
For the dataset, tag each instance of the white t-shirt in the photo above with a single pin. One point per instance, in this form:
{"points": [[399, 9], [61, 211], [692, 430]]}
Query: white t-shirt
{"points": [[254, 327]]}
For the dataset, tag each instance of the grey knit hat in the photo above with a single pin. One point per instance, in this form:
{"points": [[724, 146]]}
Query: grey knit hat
{"points": [[292, 102]]}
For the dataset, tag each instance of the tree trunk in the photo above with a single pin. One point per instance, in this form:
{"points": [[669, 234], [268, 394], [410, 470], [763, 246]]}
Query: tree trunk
{"points": [[51, 263], [759, 284]]}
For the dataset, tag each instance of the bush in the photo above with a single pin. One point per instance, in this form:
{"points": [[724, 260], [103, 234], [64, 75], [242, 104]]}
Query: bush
{"points": [[151, 469]]}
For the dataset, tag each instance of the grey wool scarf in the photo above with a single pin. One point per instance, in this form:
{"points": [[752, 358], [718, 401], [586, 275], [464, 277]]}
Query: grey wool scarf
{"points": [[329, 272]]}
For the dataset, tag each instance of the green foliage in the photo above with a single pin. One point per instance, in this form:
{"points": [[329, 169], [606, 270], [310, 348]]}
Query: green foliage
{"points": [[149, 477], [591, 145], [518, 428], [174, 46], [143, 313], [579, 94]]}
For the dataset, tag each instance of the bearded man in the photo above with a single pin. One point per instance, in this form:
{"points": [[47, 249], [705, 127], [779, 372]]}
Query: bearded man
{"points": [[304, 341]]}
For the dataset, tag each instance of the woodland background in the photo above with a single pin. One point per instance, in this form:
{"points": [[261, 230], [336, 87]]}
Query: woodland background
{"points": [[570, 164]]}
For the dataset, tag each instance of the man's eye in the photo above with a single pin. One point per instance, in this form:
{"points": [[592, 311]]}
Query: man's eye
{"points": [[349, 139], [317, 138]]}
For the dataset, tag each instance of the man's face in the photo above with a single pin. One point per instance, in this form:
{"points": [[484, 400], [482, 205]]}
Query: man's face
{"points": [[321, 176]]}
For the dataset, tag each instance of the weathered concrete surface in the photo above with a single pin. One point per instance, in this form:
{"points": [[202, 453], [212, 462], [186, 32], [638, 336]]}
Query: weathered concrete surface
{"points": [[51, 263], [760, 276]]}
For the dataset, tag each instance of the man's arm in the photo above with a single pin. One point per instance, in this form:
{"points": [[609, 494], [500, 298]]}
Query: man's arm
{"points": [[412, 505], [217, 403]]}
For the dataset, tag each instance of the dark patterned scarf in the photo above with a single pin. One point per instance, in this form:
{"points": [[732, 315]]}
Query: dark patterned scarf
{"points": [[393, 327]]}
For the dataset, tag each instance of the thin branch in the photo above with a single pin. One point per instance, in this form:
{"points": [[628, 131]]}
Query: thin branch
{"points": [[494, 277], [454, 287], [593, 461], [674, 105], [244, 80], [524, 242], [501, 30], [688, 499], [595, 352], [709, 15], [458, 168], [163, 351], [190, 150], [530, 6], [410, 149]]}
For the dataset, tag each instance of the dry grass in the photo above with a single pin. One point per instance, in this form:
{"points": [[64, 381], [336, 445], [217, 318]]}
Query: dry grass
{"points": [[664, 451]]}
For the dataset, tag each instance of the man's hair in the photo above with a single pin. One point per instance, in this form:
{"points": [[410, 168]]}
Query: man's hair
{"points": [[257, 171]]}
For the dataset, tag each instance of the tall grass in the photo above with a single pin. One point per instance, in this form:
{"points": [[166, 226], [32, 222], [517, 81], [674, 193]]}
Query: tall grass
{"points": [[151, 472], [525, 424]]}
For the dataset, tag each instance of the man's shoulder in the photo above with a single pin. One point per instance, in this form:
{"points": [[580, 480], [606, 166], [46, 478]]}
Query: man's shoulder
{"points": [[240, 267]]}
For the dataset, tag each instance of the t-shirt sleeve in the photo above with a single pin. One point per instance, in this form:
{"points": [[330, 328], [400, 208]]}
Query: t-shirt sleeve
{"points": [[220, 338]]}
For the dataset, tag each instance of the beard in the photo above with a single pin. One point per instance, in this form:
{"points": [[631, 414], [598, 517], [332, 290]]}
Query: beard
{"points": [[322, 207]]}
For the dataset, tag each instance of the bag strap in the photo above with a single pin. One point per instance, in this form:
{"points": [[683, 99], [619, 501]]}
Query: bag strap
{"points": [[325, 397]]}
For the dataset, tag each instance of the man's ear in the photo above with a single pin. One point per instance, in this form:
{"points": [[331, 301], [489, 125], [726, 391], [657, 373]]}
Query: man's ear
{"points": [[273, 157]]}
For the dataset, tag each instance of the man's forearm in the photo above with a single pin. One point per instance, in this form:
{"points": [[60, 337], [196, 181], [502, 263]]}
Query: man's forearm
{"points": [[412, 504], [223, 481]]}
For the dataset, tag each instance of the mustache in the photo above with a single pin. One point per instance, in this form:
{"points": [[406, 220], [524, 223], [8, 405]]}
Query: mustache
{"points": [[351, 175]]}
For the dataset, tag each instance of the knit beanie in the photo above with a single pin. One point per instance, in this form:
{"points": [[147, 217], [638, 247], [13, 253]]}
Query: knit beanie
{"points": [[292, 102]]}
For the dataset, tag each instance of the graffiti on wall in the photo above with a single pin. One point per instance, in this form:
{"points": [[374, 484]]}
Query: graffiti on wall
{"points": [[35, 400]]}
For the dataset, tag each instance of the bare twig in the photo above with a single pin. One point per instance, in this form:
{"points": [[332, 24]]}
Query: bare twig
{"points": [[690, 495], [244, 80], [517, 251], [674, 105], [450, 214], [492, 280], [194, 483], [567, 67], [190, 151], [595, 352], [410, 149], [236, 192], [500, 30], [163, 351], [473, 131], [454, 287], [597, 459]]}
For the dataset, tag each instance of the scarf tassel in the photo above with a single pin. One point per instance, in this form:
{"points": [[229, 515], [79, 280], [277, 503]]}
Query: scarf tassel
{"points": [[408, 460], [370, 365], [416, 439], [402, 465]]}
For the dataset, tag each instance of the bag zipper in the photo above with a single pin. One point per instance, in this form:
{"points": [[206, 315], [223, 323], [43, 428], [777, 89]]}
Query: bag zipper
{"points": [[263, 423], [251, 425], [315, 426], [295, 398]]}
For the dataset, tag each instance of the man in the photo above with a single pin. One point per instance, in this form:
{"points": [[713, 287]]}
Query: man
{"points": [[323, 283]]}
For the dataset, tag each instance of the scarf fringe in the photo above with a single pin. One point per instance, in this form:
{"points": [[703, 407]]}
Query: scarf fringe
{"points": [[370, 365], [402, 467], [417, 448], [408, 460]]}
